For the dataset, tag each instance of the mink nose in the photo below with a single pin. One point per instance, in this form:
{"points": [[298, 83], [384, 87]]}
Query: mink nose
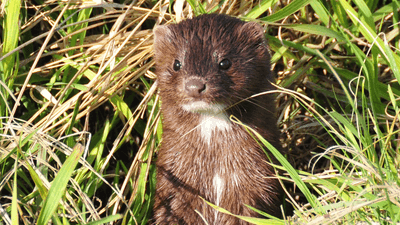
{"points": [[195, 87]]}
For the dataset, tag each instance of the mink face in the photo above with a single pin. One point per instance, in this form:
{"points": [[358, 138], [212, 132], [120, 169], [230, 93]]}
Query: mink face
{"points": [[207, 69], [211, 62]]}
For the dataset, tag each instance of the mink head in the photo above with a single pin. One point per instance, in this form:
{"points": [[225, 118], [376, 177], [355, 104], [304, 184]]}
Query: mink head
{"points": [[208, 63]]}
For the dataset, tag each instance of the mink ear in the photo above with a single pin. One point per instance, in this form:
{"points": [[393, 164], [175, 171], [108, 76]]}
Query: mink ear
{"points": [[253, 31], [161, 33]]}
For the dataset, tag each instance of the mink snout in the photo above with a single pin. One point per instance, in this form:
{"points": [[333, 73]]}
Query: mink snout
{"points": [[194, 87]]}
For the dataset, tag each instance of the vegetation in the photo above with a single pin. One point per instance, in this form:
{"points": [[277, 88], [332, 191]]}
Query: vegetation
{"points": [[80, 120]]}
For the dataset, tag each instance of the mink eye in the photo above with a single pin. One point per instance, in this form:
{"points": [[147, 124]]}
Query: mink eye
{"points": [[225, 64], [177, 65]]}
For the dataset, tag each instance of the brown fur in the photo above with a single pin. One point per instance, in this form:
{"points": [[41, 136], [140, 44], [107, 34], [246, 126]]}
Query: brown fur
{"points": [[187, 162]]}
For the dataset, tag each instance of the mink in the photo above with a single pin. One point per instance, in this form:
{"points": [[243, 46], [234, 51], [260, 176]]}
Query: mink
{"points": [[207, 69]]}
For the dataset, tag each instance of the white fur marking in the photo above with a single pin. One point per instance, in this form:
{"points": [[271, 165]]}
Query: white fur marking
{"points": [[203, 107], [213, 118], [235, 179], [210, 123], [218, 184]]}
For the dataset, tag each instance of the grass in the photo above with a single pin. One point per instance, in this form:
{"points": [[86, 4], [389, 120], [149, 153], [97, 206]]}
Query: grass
{"points": [[77, 81]]}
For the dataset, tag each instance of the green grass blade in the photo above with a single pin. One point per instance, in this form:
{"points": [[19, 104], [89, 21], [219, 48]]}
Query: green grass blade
{"points": [[318, 30], [258, 221], [58, 186], [14, 204], [348, 128], [366, 13], [292, 172], [11, 35], [293, 7], [38, 182], [260, 8], [370, 34], [122, 107], [340, 13], [321, 11], [106, 220], [393, 60], [197, 7]]}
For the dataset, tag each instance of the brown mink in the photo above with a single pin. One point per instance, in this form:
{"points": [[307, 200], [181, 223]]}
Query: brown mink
{"points": [[205, 66]]}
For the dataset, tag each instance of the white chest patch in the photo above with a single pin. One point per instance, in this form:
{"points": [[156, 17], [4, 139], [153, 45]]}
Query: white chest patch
{"points": [[213, 118], [212, 123], [218, 185]]}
